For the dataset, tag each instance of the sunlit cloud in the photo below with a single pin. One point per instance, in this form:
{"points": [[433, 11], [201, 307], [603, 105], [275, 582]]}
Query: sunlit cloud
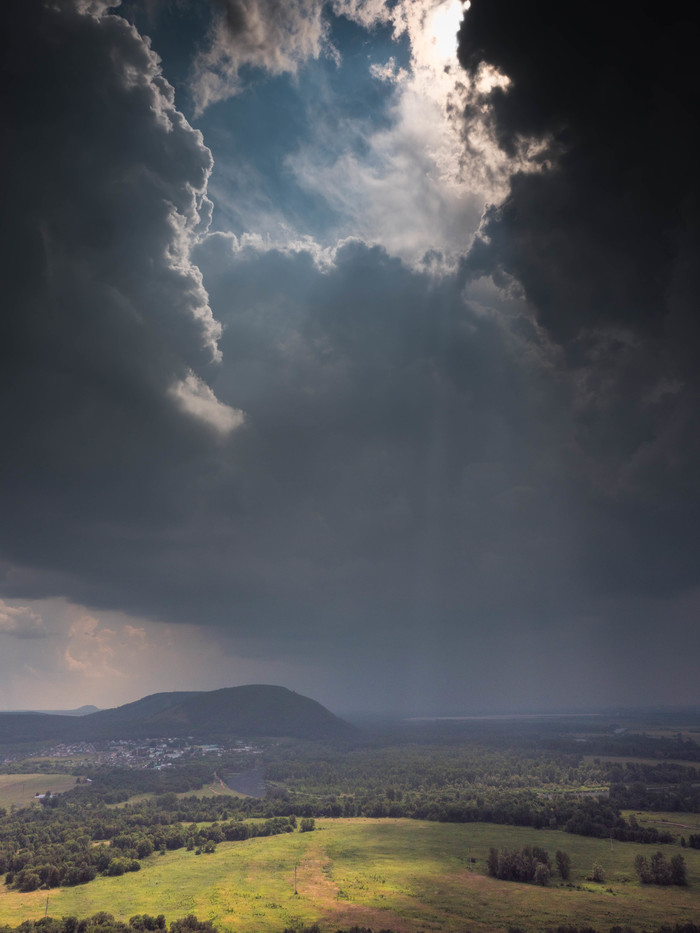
{"points": [[410, 187], [267, 34], [196, 399], [21, 622]]}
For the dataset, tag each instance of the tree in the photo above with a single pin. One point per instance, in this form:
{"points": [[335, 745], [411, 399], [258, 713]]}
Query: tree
{"points": [[678, 873], [563, 865], [641, 866], [50, 876], [492, 863], [27, 880], [598, 874], [660, 869]]}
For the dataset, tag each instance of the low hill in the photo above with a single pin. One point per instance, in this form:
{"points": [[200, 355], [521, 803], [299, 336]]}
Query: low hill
{"points": [[256, 710], [141, 710], [80, 711]]}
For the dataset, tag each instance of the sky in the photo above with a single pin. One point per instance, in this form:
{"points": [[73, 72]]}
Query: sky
{"points": [[350, 345]]}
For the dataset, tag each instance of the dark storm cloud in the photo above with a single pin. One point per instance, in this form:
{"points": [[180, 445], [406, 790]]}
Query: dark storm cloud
{"points": [[602, 239], [390, 451], [438, 493], [614, 93], [104, 318]]}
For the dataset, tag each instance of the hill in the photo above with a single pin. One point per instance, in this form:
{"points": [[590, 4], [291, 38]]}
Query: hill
{"points": [[255, 710]]}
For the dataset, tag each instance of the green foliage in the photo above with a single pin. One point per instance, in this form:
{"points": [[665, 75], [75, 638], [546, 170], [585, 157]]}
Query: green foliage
{"points": [[563, 864], [531, 864], [104, 922], [51, 848], [658, 870]]}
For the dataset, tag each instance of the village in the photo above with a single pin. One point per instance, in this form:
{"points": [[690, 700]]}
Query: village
{"points": [[153, 753]]}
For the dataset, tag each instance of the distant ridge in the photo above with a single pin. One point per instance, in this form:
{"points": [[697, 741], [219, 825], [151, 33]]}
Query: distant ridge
{"points": [[80, 711], [255, 710]]}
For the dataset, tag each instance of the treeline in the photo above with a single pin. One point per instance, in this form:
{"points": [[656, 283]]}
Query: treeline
{"points": [[61, 846], [636, 745], [585, 816], [678, 797], [105, 923], [659, 870], [635, 772], [143, 923], [410, 768], [521, 785]]}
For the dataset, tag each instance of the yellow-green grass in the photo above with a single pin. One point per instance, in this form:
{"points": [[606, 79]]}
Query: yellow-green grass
{"points": [[20, 789], [215, 789], [673, 822], [402, 874]]}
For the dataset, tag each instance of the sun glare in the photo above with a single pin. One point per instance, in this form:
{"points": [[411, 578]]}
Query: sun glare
{"points": [[442, 25]]}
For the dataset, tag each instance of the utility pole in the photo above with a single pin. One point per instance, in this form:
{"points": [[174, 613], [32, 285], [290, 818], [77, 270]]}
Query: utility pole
{"points": [[46, 912], [295, 878]]}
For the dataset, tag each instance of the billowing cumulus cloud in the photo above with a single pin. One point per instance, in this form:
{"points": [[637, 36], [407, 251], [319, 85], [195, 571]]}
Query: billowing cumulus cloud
{"points": [[274, 35], [393, 172], [106, 319], [197, 399], [407, 183]]}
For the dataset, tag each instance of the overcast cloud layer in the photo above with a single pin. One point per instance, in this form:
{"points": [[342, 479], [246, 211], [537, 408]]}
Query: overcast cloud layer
{"points": [[382, 383]]}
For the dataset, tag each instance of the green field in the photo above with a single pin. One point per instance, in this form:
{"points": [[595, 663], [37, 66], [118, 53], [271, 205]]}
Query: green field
{"points": [[404, 874], [214, 789], [20, 789], [680, 824]]}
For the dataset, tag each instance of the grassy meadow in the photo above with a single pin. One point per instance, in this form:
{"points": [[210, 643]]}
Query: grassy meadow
{"points": [[680, 824], [216, 788], [404, 874], [20, 789]]}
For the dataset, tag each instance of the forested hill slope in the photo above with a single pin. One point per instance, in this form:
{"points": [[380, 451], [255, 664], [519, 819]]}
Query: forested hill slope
{"points": [[253, 710]]}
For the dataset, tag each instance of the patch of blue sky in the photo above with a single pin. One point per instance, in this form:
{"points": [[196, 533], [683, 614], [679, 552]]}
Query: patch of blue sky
{"points": [[332, 104]]}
